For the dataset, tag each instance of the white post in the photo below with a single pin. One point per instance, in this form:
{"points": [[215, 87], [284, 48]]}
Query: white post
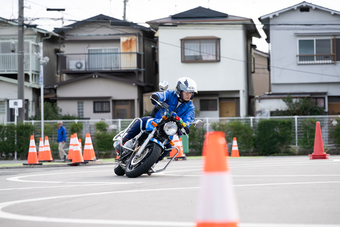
{"points": [[41, 83], [15, 122], [296, 131], [207, 124]]}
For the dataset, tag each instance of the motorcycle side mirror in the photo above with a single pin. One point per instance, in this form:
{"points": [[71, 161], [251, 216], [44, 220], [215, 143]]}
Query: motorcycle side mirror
{"points": [[196, 122], [163, 85]]}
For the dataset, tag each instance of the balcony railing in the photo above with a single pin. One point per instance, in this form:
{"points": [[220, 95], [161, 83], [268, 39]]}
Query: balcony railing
{"points": [[9, 63], [315, 59], [100, 62]]}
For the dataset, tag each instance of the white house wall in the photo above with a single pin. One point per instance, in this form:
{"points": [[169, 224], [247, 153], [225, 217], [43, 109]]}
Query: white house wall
{"points": [[284, 48], [10, 91], [228, 74]]}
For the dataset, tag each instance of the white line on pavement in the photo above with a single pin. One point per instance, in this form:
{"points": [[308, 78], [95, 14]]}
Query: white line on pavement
{"points": [[11, 216]]}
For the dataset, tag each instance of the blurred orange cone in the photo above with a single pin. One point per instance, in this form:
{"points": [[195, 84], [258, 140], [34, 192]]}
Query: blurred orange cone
{"points": [[80, 145], [47, 151], [205, 144], [41, 150], [89, 154], [77, 156], [234, 150], [319, 152], [217, 201], [70, 149], [178, 143], [32, 154]]}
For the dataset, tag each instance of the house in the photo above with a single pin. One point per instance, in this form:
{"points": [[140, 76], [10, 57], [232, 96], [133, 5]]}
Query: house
{"points": [[215, 50], [304, 56], [9, 67], [261, 72], [106, 65]]}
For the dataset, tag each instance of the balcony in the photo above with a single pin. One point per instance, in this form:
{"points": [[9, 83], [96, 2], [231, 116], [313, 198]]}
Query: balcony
{"points": [[9, 63], [77, 63], [9, 67], [316, 59]]}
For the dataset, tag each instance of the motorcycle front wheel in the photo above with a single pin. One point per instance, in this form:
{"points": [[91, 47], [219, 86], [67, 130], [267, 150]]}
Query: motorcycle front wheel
{"points": [[119, 171], [137, 165]]}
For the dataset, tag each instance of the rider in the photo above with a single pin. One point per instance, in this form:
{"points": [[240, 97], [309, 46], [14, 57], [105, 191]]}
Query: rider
{"points": [[179, 101]]}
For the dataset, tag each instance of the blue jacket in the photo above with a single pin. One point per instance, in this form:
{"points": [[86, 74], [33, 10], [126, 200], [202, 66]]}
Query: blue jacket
{"points": [[186, 110], [61, 134]]}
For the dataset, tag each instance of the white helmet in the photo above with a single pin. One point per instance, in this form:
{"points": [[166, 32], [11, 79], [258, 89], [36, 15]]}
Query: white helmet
{"points": [[187, 85]]}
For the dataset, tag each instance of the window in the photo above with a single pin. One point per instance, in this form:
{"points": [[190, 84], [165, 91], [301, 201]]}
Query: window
{"points": [[80, 109], [315, 51], [101, 106], [200, 49], [103, 58], [320, 102], [208, 104]]}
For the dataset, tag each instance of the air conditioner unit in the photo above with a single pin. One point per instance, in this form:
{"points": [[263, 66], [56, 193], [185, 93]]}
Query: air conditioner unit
{"points": [[77, 64]]}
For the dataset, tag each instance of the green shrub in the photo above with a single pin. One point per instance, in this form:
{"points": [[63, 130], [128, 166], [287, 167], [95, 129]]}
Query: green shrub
{"points": [[273, 136], [76, 127], [103, 141], [7, 139], [196, 138], [308, 134], [241, 130], [335, 133], [101, 126], [8, 143]]}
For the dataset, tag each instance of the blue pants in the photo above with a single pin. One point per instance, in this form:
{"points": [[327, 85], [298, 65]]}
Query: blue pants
{"points": [[135, 129]]}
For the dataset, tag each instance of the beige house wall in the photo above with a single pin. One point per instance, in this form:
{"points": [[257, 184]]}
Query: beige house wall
{"points": [[261, 74]]}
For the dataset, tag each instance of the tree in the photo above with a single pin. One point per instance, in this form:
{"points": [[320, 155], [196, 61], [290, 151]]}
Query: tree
{"points": [[53, 112], [304, 106]]}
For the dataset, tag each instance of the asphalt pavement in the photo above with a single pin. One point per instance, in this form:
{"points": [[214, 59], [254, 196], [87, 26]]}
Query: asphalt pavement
{"points": [[270, 191]]}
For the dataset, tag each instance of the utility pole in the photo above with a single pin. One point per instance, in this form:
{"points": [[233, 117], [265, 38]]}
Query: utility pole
{"points": [[21, 74], [124, 14]]}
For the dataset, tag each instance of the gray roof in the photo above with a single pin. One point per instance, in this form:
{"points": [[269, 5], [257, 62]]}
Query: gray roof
{"points": [[201, 15], [102, 18], [294, 7]]}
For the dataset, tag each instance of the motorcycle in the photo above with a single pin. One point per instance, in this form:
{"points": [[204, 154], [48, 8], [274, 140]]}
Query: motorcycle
{"points": [[140, 154]]}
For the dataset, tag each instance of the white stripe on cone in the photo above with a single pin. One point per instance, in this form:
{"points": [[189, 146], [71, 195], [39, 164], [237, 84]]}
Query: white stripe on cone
{"points": [[217, 200]]}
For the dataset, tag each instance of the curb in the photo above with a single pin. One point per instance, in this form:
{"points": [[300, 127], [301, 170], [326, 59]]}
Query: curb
{"points": [[56, 164]]}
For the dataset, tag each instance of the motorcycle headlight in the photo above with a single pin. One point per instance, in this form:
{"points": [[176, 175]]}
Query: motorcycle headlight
{"points": [[170, 128]]}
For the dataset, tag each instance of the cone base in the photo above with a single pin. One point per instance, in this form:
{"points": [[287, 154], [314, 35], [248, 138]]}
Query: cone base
{"points": [[32, 164], [77, 163], [91, 160], [46, 160], [318, 156]]}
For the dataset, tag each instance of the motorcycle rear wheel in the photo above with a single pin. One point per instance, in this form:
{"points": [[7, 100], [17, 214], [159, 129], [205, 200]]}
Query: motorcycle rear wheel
{"points": [[136, 166]]}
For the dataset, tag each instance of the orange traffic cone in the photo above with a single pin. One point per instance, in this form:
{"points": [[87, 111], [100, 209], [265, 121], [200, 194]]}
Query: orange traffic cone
{"points": [[41, 153], [319, 152], [70, 149], [234, 150], [32, 154], [47, 151], [217, 202], [178, 143], [77, 156], [205, 144], [80, 145], [89, 154]]}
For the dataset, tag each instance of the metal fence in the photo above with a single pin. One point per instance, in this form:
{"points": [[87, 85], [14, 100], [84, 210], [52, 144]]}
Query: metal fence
{"points": [[116, 125]]}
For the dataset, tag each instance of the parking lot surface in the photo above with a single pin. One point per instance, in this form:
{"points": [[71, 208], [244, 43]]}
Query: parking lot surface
{"points": [[270, 191]]}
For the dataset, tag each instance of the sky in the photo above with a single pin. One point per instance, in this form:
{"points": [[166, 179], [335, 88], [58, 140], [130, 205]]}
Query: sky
{"points": [[140, 11]]}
